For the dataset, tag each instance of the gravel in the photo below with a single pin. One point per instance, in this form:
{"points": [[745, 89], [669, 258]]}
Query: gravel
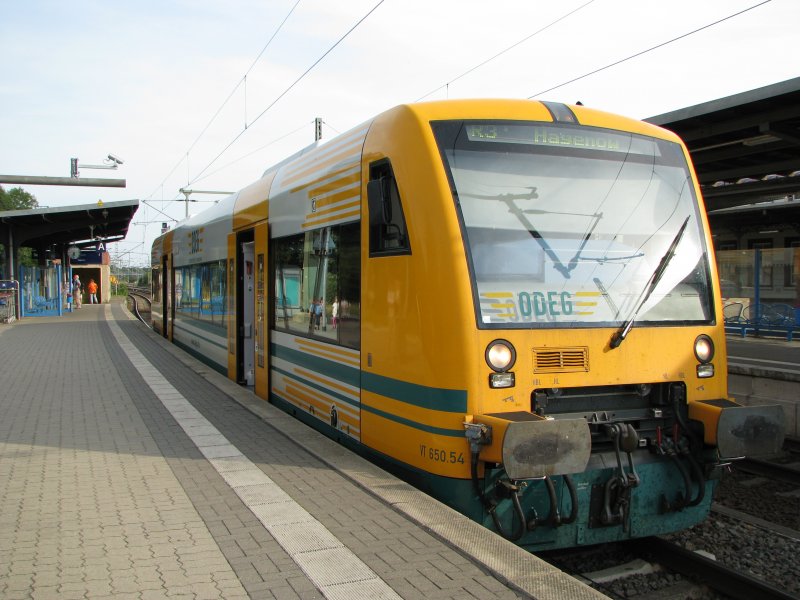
{"points": [[748, 548], [766, 555], [774, 501]]}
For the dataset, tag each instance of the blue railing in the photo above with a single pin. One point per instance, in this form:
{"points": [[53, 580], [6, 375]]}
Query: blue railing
{"points": [[760, 296]]}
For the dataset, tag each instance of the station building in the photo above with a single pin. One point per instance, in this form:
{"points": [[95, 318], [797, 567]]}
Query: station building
{"points": [[67, 241]]}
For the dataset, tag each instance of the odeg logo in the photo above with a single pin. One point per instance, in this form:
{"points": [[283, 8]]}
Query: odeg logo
{"points": [[194, 243]]}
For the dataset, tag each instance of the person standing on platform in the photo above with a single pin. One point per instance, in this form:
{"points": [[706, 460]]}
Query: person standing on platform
{"points": [[67, 287], [91, 287], [318, 308], [76, 290]]}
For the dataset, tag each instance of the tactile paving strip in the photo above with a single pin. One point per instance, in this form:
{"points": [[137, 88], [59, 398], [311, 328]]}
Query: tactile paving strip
{"points": [[333, 568]]}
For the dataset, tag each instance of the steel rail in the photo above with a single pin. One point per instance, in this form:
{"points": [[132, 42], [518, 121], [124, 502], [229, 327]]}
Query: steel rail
{"points": [[771, 470], [743, 517], [134, 296], [723, 579]]}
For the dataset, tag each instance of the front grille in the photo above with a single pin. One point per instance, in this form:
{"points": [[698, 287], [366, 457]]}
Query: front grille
{"points": [[560, 360]]}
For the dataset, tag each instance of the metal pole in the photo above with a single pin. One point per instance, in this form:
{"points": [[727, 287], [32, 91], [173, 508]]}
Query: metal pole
{"points": [[60, 293], [67, 181], [19, 298], [12, 266], [757, 289]]}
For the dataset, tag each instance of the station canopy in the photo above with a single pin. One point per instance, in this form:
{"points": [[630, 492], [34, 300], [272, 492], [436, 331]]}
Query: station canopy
{"points": [[745, 149], [83, 225]]}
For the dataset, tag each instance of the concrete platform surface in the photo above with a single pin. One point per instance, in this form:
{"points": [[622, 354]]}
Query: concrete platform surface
{"points": [[130, 470]]}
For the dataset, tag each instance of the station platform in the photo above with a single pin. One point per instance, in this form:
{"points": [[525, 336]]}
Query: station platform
{"points": [[130, 470]]}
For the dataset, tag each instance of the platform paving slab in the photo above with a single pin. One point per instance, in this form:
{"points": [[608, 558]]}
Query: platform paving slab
{"points": [[127, 470]]}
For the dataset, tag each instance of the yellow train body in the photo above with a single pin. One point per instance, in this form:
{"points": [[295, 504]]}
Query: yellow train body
{"points": [[354, 297]]}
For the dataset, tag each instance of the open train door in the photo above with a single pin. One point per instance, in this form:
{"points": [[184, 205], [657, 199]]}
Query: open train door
{"points": [[248, 341], [244, 308]]}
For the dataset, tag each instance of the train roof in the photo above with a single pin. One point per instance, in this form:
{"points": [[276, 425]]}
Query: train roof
{"points": [[422, 113], [535, 110]]}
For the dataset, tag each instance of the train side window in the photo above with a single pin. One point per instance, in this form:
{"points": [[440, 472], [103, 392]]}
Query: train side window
{"points": [[317, 282], [388, 234]]}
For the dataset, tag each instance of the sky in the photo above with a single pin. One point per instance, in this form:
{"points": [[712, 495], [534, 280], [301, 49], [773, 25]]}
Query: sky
{"points": [[207, 94]]}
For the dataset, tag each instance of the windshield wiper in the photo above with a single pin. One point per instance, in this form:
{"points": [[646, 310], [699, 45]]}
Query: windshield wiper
{"points": [[620, 335]]}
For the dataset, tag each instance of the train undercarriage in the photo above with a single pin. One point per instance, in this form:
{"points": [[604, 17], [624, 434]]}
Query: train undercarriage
{"points": [[567, 473]]}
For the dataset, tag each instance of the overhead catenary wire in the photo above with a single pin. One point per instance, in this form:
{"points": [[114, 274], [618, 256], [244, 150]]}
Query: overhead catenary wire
{"points": [[198, 177], [259, 149], [203, 174], [242, 80], [151, 205], [336, 131], [511, 47], [661, 45], [288, 89]]}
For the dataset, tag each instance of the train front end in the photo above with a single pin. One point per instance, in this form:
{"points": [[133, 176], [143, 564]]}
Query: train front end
{"points": [[604, 412]]}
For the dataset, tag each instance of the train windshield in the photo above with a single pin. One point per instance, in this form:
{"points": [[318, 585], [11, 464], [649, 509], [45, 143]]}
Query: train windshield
{"points": [[569, 226]]}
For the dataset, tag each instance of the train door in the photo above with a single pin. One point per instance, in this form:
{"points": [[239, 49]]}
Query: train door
{"points": [[165, 288], [244, 308], [248, 314], [260, 320], [248, 344], [171, 298], [233, 295]]}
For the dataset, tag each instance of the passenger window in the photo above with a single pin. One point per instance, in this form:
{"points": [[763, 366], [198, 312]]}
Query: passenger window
{"points": [[388, 234], [317, 278]]}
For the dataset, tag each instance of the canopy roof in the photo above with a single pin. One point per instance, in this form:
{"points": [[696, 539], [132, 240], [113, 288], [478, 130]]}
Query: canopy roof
{"points": [[82, 225], [746, 147]]}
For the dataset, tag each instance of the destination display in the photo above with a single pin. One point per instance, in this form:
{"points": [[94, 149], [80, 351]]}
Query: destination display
{"points": [[563, 137]]}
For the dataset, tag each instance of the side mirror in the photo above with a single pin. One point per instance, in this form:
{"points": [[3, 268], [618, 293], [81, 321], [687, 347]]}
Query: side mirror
{"points": [[379, 200]]}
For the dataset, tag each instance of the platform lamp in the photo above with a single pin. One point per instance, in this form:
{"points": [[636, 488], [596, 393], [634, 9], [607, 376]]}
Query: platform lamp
{"points": [[112, 162]]}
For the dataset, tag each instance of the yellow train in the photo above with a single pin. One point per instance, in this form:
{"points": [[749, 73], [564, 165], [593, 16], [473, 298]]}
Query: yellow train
{"points": [[513, 304]]}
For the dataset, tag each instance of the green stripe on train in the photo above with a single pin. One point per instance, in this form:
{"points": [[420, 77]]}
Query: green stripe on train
{"points": [[323, 366], [409, 393], [415, 424], [320, 387]]}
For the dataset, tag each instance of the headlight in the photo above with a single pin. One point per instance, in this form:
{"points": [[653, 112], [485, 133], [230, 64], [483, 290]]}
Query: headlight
{"points": [[501, 380], [500, 355], [704, 349], [705, 371]]}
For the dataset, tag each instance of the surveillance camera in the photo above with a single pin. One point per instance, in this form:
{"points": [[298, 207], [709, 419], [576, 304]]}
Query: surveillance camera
{"points": [[116, 159]]}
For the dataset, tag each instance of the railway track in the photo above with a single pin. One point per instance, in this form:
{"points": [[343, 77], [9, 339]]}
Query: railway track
{"points": [[772, 470], [731, 582], [775, 469], [751, 558], [764, 524], [136, 297]]}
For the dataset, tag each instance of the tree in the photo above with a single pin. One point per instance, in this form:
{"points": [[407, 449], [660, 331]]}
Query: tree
{"points": [[16, 199]]}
